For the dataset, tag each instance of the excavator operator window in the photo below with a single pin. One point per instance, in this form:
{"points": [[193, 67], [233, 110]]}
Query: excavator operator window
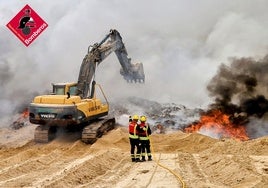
{"points": [[73, 90], [58, 90]]}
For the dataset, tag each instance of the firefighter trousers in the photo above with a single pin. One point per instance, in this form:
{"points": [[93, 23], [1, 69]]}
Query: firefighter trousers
{"points": [[145, 149], [135, 145]]}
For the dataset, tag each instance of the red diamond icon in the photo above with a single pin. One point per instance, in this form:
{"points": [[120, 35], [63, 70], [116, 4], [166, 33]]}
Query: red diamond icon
{"points": [[27, 25]]}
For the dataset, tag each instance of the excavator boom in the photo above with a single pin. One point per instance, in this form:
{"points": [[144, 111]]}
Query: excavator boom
{"points": [[98, 52]]}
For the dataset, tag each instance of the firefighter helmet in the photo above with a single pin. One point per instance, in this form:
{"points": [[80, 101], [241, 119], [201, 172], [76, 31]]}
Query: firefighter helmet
{"points": [[24, 21], [143, 118], [135, 117]]}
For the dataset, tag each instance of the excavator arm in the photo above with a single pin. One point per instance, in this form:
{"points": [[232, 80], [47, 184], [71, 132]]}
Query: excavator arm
{"points": [[97, 53]]}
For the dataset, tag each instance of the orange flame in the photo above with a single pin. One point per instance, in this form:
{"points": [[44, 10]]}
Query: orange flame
{"points": [[219, 123], [21, 120], [25, 113]]}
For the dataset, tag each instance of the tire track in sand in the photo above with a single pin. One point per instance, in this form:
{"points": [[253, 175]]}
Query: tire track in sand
{"points": [[137, 175]]}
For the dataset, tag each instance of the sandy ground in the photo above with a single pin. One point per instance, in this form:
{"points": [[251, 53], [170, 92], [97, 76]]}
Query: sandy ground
{"points": [[189, 160]]}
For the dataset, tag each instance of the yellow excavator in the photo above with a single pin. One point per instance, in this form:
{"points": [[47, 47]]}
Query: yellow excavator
{"points": [[73, 105]]}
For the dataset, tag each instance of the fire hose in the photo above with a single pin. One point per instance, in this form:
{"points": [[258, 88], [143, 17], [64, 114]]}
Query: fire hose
{"points": [[168, 169]]}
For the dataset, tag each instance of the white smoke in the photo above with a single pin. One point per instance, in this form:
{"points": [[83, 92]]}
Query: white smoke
{"points": [[180, 43]]}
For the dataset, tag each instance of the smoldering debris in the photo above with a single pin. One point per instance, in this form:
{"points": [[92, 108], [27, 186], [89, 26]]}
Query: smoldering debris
{"points": [[170, 116]]}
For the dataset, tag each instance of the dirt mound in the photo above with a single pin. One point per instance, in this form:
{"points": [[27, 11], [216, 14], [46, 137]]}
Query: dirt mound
{"points": [[117, 138], [229, 146], [179, 141], [201, 161]]}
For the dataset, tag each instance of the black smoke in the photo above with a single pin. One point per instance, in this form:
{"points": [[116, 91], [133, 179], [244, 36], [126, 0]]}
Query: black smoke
{"points": [[242, 88]]}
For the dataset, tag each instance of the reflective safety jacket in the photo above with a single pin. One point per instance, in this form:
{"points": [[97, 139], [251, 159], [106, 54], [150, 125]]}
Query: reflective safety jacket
{"points": [[145, 131], [133, 130]]}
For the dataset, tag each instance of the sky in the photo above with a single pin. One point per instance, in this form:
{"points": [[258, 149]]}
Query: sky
{"points": [[181, 44]]}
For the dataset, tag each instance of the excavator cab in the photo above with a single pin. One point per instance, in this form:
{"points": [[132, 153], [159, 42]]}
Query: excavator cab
{"points": [[64, 88]]}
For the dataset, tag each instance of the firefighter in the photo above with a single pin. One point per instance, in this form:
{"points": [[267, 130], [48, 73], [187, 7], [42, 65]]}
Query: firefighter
{"points": [[145, 132], [134, 139]]}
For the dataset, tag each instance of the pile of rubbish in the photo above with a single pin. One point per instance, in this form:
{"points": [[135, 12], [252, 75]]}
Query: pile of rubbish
{"points": [[162, 118]]}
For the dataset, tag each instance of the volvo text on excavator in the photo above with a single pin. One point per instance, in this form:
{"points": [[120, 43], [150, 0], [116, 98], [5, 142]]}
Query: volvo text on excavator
{"points": [[74, 104]]}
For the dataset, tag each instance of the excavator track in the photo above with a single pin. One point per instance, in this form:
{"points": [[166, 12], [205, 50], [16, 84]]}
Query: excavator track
{"points": [[44, 134], [95, 130]]}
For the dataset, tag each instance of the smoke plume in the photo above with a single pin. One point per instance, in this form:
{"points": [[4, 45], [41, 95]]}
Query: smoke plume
{"points": [[242, 88], [242, 85]]}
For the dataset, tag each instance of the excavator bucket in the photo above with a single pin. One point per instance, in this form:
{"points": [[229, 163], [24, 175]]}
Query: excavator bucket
{"points": [[135, 73]]}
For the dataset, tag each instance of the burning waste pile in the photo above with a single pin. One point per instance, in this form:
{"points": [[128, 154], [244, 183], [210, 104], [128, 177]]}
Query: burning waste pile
{"points": [[21, 119], [163, 118], [240, 108]]}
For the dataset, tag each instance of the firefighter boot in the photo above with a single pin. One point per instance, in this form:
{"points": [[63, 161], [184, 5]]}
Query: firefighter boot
{"points": [[143, 158], [133, 159], [138, 160], [149, 158]]}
